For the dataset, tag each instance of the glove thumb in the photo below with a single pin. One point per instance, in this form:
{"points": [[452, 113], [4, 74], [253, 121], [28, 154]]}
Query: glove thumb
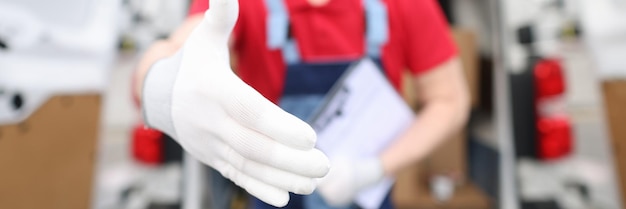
{"points": [[209, 40], [220, 18]]}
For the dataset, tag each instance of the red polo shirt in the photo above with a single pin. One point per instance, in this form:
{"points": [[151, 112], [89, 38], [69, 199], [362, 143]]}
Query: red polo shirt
{"points": [[419, 38]]}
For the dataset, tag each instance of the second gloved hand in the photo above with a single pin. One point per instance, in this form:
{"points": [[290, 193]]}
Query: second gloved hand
{"points": [[195, 97], [348, 177]]}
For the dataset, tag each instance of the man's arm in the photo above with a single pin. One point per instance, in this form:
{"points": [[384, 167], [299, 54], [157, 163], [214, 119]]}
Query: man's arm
{"points": [[445, 96], [439, 83], [162, 49]]}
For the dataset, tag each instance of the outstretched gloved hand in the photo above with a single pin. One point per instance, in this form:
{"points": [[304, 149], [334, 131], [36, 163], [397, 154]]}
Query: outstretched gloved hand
{"points": [[347, 178], [195, 97]]}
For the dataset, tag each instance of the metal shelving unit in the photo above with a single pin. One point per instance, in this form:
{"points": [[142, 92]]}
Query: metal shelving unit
{"points": [[502, 102]]}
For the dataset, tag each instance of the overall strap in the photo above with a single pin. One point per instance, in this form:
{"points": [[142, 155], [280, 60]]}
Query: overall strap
{"points": [[278, 26], [278, 31], [376, 27]]}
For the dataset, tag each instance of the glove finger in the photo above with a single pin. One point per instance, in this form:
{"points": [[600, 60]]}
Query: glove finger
{"points": [[266, 193], [312, 163], [267, 174], [258, 113], [258, 147]]}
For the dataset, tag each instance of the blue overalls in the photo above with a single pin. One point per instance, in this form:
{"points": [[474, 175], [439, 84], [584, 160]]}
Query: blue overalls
{"points": [[307, 83]]}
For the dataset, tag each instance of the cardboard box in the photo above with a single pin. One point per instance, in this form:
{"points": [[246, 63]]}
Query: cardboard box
{"points": [[412, 192], [615, 102], [412, 185], [449, 159], [47, 161]]}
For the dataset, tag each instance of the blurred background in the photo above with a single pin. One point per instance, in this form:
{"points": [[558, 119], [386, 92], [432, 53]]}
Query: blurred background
{"points": [[547, 80]]}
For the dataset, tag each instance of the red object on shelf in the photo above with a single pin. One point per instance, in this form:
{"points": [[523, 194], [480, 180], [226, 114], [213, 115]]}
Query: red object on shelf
{"points": [[147, 145], [555, 138], [554, 134], [549, 78]]}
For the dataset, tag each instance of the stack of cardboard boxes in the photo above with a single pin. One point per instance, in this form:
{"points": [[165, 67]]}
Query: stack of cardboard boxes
{"points": [[53, 70]]}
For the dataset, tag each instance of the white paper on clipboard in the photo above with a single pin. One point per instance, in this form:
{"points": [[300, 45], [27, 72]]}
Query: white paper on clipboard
{"points": [[359, 118]]}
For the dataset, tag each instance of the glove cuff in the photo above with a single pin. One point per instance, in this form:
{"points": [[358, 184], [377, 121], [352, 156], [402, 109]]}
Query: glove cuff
{"points": [[157, 94]]}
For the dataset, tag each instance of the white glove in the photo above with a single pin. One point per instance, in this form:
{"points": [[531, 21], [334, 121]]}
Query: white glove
{"points": [[195, 97], [346, 178]]}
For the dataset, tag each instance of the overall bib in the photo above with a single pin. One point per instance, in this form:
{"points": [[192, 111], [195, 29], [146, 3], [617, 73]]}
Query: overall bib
{"points": [[307, 83]]}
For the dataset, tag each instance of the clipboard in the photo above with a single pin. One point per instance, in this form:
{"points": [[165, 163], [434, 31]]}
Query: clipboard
{"points": [[360, 117]]}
